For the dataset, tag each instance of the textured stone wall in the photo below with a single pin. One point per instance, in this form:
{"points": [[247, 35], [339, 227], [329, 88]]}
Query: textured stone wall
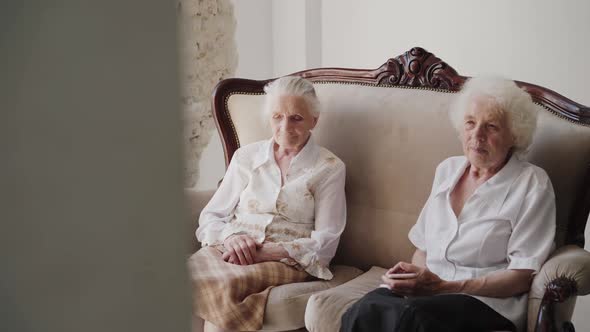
{"points": [[208, 54]]}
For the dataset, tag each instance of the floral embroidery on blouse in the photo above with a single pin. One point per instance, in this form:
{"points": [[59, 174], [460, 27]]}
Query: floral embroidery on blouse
{"points": [[282, 207], [253, 206]]}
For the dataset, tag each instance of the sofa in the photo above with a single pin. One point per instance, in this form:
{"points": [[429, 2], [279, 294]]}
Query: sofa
{"points": [[390, 126]]}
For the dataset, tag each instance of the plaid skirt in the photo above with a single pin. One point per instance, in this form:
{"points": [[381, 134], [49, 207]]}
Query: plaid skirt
{"points": [[234, 296]]}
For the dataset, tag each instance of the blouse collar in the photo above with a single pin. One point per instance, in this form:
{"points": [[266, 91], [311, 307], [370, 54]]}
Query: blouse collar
{"points": [[304, 159], [503, 178]]}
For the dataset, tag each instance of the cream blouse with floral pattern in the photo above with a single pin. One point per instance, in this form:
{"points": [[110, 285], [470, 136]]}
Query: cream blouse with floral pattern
{"points": [[305, 216]]}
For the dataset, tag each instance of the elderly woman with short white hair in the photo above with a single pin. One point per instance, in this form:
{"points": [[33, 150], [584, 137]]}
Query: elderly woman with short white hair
{"points": [[275, 219], [483, 233]]}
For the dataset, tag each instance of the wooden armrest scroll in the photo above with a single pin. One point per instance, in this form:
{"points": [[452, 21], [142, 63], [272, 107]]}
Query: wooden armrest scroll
{"points": [[557, 291]]}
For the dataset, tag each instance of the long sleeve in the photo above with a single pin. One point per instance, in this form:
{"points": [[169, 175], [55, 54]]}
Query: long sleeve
{"points": [[315, 253], [220, 209]]}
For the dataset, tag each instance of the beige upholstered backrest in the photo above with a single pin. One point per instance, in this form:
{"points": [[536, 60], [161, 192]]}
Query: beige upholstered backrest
{"points": [[391, 138]]}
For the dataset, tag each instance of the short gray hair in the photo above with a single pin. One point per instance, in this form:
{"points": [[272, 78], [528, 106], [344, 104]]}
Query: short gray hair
{"points": [[512, 101], [291, 86]]}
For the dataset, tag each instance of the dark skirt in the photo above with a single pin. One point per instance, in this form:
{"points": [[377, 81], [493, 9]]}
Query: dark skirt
{"points": [[382, 310]]}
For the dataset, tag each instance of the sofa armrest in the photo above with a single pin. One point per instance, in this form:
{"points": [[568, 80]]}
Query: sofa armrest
{"points": [[553, 292], [196, 201]]}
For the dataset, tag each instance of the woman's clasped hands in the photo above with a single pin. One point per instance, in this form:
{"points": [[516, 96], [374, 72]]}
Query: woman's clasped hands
{"points": [[416, 280], [240, 249]]}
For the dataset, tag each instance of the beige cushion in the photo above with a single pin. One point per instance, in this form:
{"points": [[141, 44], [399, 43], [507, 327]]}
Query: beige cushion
{"points": [[325, 309], [195, 201], [571, 262], [286, 304]]}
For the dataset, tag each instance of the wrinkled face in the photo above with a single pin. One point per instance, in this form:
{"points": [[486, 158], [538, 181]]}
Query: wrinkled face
{"points": [[291, 121], [486, 135]]}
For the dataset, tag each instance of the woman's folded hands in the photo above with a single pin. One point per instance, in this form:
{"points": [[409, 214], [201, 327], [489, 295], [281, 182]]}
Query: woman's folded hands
{"points": [[416, 280], [241, 249]]}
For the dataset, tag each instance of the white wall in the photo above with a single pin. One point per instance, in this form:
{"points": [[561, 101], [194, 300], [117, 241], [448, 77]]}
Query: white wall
{"points": [[254, 35], [288, 36], [541, 41], [297, 32]]}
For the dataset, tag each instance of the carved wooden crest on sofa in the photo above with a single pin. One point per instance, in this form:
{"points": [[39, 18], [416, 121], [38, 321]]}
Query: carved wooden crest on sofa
{"points": [[418, 69]]}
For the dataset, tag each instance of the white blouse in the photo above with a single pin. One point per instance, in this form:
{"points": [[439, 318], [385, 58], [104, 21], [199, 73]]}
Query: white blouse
{"points": [[306, 215], [508, 223]]}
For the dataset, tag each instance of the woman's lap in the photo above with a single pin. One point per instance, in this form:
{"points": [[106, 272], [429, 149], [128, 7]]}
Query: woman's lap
{"points": [[382, 310], [233, 296]]}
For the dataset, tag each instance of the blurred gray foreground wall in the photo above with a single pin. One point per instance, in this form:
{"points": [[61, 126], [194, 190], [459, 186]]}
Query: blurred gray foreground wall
{"points": [[92, 221]]}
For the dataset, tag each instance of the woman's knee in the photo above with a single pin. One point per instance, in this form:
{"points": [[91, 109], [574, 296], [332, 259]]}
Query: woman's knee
{"points": [[378, 308]]}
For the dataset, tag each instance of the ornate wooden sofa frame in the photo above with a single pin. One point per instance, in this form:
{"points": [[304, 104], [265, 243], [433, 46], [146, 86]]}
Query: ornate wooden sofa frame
{"points": [[390, 126]]}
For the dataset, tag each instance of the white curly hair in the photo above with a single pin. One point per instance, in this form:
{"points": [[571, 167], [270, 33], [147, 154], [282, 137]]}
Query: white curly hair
{"points": [[291, 86], [512, 101]]}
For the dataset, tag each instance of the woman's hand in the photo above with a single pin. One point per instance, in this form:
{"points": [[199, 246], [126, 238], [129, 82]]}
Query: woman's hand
{"points": [[425, 282], [264, 253], [240, 249]]}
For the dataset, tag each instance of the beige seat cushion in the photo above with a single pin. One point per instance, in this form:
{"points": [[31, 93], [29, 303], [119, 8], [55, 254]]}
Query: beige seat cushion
{"points": [[286, 304], [325, 309]]}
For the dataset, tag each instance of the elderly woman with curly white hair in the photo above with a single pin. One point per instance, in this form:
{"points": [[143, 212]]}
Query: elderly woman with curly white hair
{"points": [[276, 218], [485, 230]]}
